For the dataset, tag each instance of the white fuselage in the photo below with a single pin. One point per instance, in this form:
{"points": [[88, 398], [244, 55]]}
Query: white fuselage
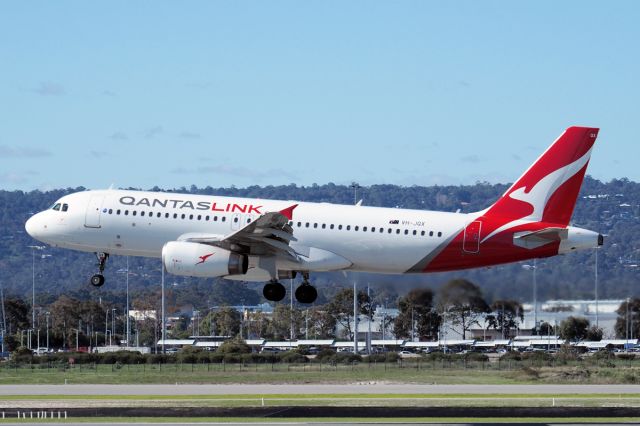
{"points": [[138, 223]]}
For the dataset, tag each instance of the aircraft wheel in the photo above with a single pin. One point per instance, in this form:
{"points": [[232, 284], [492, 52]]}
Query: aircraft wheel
{"points": [[274, 291], [306, 293], [97, 280]]}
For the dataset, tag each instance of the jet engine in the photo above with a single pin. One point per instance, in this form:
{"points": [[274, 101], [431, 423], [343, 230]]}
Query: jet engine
{"points": [[202, 260]]}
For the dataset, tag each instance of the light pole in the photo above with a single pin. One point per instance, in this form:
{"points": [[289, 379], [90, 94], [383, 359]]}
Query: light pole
{"points": [[626, 347], [413, 337], [535, 294], [290, 310], [369, 320], [33, 284], [128, 324], [355, 187], [106, 325], [113, 322], [355, 316], [163, 321], [47, 314], [596, 286]]}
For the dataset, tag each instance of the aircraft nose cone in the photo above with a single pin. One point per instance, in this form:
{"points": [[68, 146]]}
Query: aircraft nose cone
{"points": [[32, 227]]}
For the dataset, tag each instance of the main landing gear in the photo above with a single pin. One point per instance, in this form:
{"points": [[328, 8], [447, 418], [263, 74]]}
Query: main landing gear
{"points": [[98, 279], [274, 291], [305, 293]]}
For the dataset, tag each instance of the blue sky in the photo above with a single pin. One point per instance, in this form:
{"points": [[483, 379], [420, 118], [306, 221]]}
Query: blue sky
{"points": [[240, 93]]}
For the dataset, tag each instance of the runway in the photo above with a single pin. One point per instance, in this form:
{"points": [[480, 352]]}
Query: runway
{"points": [[311, 423], [266, 389]]}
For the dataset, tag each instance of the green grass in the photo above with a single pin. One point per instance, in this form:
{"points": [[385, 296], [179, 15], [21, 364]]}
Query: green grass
{"points": [[331, 400], [417, 373]]}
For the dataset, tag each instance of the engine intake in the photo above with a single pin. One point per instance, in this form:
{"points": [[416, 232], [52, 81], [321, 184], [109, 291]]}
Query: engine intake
{"points": [[202, 260]]}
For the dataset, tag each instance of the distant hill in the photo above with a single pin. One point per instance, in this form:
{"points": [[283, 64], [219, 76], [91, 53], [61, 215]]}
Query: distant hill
{"points": [[611, 208]]}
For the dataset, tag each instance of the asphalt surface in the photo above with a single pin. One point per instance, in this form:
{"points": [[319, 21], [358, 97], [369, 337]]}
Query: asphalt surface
{"points": [[266, 389], [272, 423]]}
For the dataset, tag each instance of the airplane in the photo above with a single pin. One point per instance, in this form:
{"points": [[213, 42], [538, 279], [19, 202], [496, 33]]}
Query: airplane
{"points": [[267, 240]]}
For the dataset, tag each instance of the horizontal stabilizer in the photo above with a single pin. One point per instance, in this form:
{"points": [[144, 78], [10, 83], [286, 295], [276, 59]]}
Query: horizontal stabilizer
{"points": [[535, 239]]}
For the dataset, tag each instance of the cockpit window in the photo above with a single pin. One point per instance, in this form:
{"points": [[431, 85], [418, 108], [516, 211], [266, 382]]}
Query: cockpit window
{"points": [[65, 207], [56, 207]]}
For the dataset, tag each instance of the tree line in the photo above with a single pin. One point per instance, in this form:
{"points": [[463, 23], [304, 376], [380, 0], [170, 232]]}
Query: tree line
{"points": [[68, 321]]}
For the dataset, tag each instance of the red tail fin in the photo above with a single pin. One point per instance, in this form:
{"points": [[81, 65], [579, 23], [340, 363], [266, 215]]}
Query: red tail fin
{"points": [[548, 190]]}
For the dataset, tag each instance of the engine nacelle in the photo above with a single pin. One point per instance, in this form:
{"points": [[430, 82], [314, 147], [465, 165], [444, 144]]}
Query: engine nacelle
{"points": [[202, 260]]}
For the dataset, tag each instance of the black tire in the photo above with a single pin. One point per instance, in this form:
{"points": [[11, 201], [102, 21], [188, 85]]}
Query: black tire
{"points": [[274, 291], [280, 292], [97, 280], [306, 293]]}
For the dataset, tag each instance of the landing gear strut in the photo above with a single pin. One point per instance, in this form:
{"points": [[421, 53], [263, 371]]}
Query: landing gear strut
{"points": [[306, 293], [274, 291], [98, 279]]}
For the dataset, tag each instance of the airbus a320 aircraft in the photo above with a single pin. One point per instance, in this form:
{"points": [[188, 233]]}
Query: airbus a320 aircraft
{"points": [[266, 240]]}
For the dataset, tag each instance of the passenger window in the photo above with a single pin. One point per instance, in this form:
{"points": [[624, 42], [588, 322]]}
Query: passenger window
{"points": [[356, 228], [324, 225], [331, 226], [206, 218], [118, 212], [166, 215], [126, 212], [422, 233], [142, 213], [315, 225], [175, 215], [183, 215], [431, 233], [339, 227], [235, 220], [397, 231], [306, 225], [389, 230], [364, 229], [215, 218], [348, 227], [110, 211], [135, 212], [65, 207], [415, 232], [224, 219], [439, 234], [199, 217], [406, 232]]}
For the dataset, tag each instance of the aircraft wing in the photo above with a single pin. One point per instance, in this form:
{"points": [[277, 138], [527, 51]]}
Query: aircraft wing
{"points": [[269, 234]]}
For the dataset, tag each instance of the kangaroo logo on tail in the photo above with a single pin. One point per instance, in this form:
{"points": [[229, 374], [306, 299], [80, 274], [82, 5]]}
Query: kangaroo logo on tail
{"points": [[548, 190]]}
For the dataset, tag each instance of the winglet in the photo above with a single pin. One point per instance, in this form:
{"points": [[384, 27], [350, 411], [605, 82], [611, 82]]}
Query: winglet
{"points": [[288, 212]]}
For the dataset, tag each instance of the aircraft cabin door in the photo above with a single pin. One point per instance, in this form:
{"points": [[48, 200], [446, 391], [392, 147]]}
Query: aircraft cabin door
{"points": [[471, 243], [92, 216]]}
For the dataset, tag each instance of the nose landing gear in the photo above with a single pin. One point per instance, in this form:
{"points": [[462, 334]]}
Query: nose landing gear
{"points": [[97, 280]]}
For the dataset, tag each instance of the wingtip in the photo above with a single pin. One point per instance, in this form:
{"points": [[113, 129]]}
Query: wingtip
{"points": [[288, 212]]}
